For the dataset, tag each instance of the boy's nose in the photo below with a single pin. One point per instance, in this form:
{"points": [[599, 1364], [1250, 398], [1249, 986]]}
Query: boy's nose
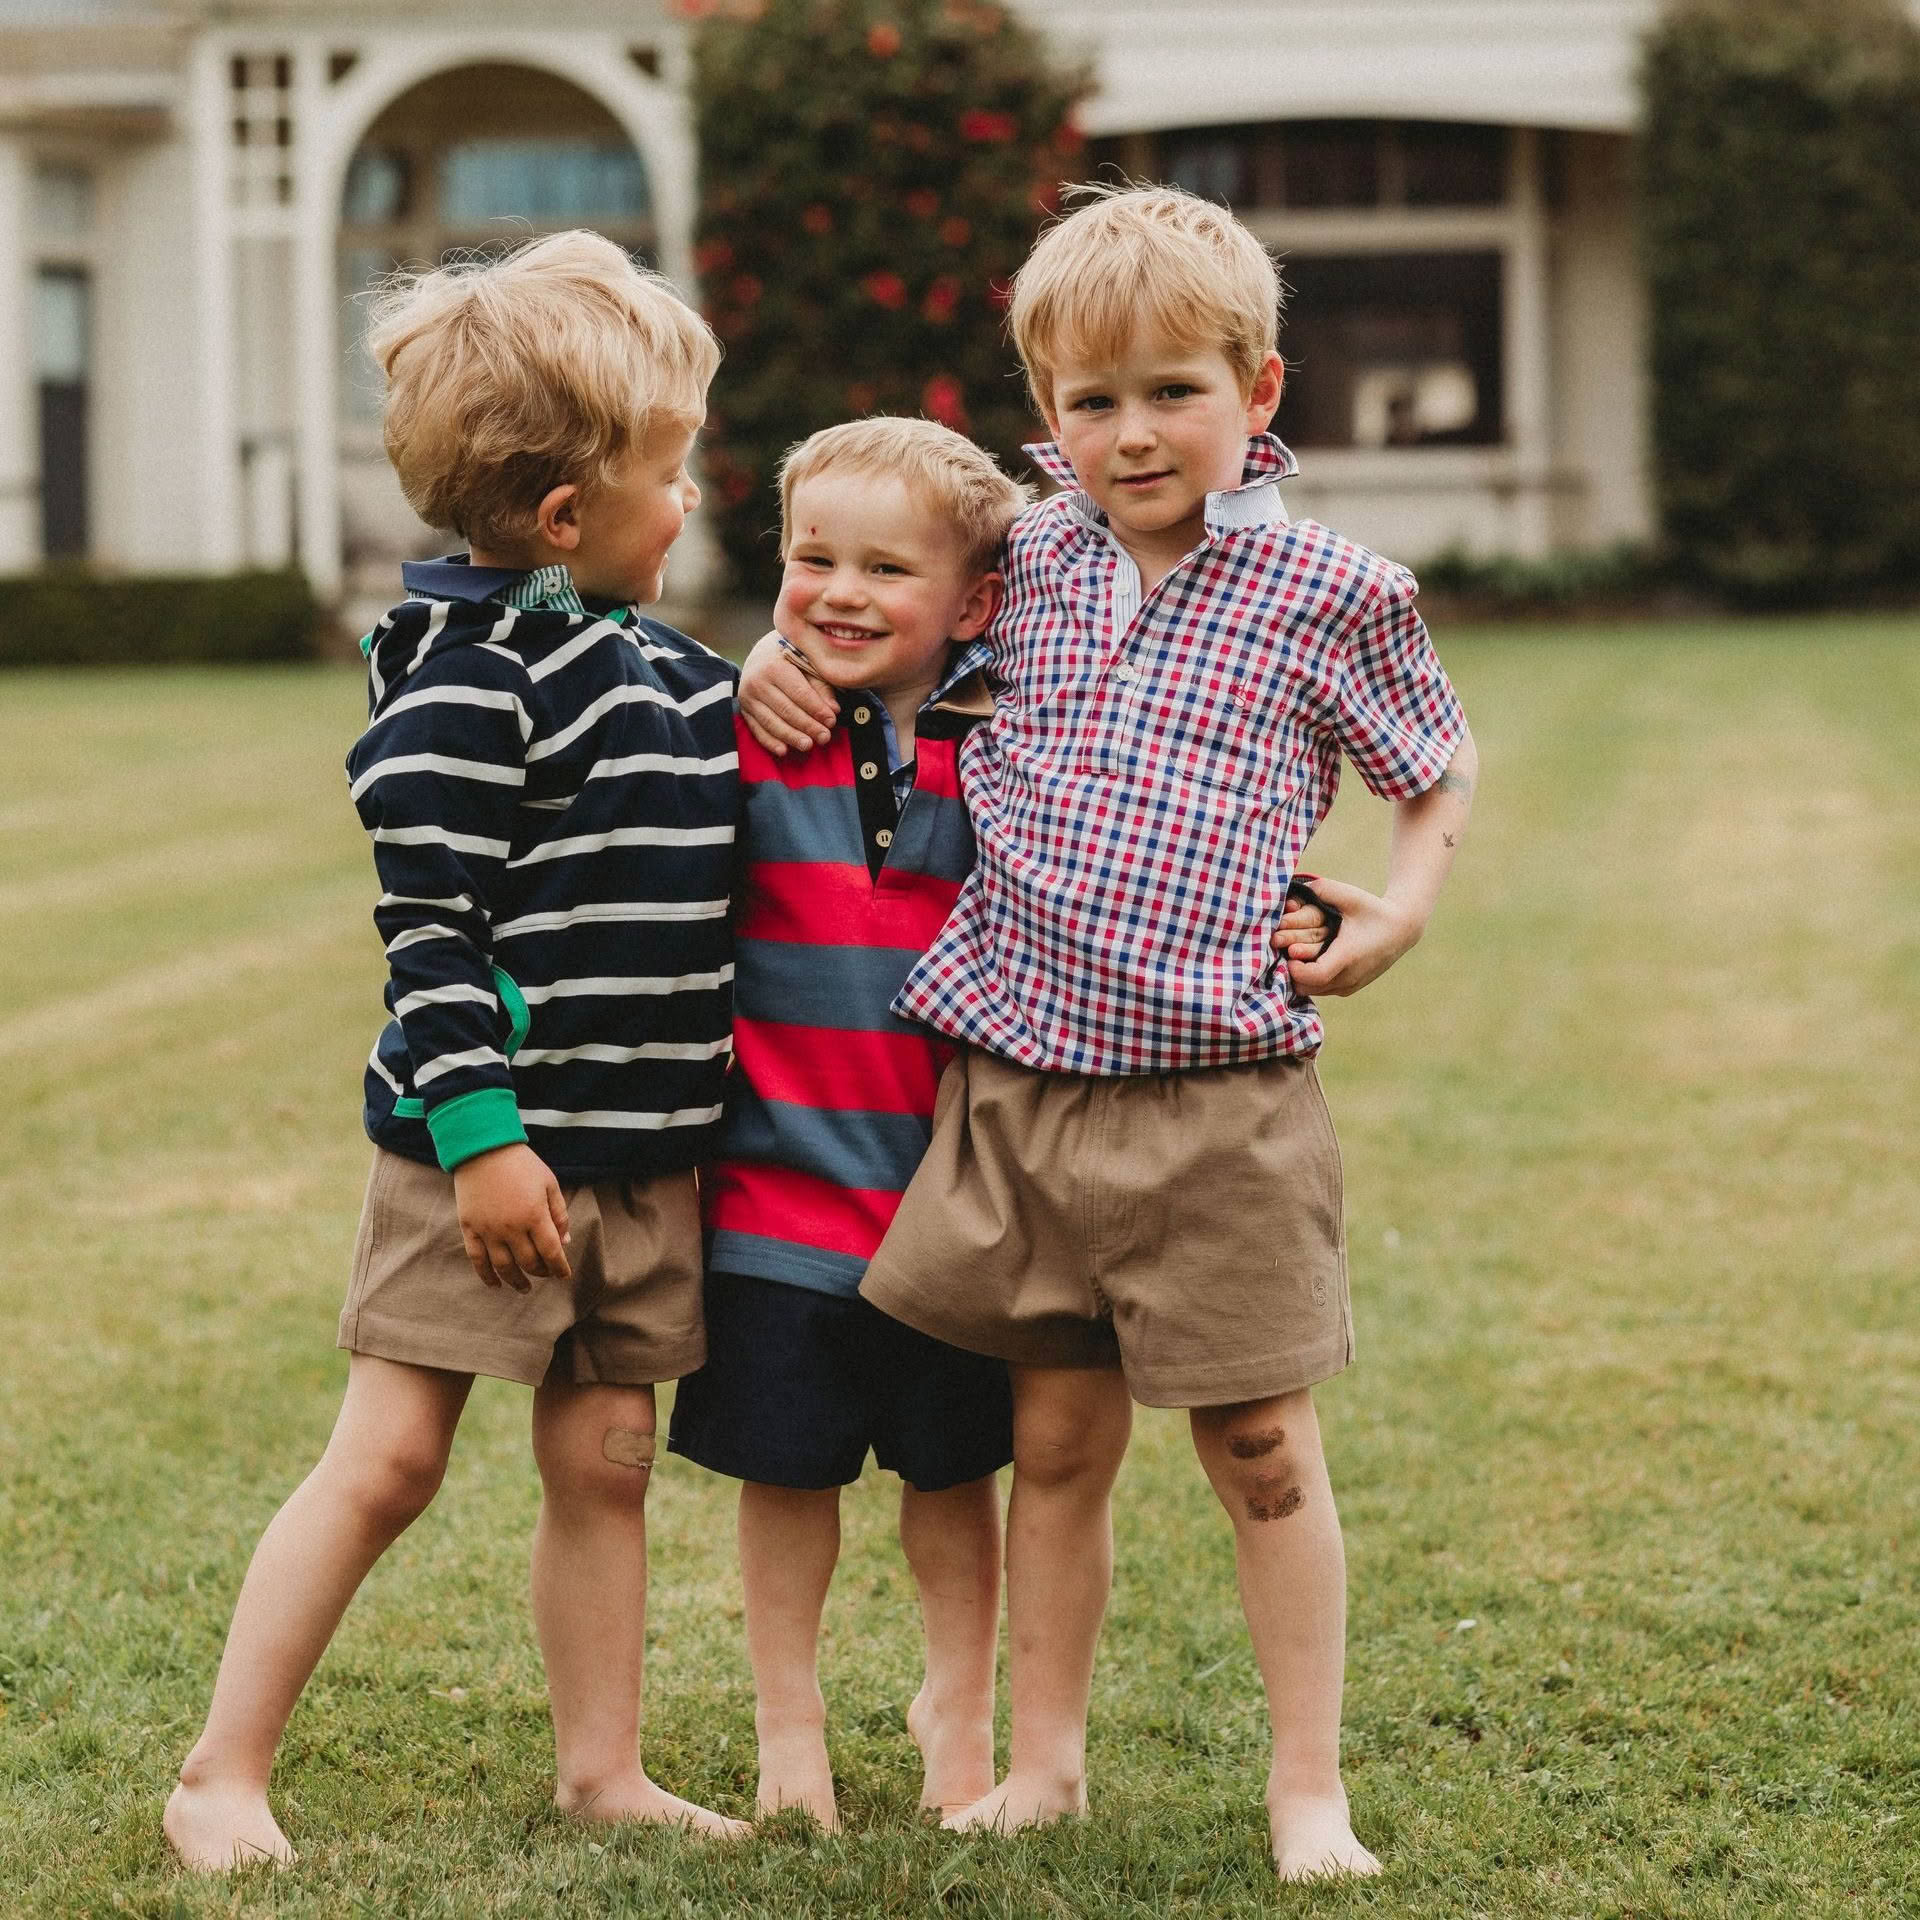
{"points": [[1136, 428], [846, 590]]}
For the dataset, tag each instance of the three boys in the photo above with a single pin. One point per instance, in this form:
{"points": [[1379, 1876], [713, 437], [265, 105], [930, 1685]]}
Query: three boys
{"points": [[1132, 1189]]}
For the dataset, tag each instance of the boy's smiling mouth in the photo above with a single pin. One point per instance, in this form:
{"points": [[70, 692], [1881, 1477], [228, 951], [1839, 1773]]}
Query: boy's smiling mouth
{"points": [[848, 635]]}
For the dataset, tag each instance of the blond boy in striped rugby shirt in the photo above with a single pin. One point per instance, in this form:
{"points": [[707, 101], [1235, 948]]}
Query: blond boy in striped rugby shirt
{"points": [[550, 782]]}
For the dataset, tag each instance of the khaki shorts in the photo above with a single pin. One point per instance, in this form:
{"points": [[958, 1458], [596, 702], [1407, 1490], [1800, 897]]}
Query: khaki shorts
{"points": [[630, 1315], [1185, 1227]]}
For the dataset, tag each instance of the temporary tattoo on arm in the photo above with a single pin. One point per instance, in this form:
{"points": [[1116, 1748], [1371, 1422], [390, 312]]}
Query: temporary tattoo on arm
{"points": [[1449, 839], [1457, 783]]}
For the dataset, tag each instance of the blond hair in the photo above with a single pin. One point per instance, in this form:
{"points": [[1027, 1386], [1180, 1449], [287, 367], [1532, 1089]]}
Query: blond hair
{"points": [[951, 476], [1133, 257], [511, 376]]}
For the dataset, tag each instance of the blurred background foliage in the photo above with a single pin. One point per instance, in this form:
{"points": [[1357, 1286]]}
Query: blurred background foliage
{"points": [[873, 172], [1780, 204]]}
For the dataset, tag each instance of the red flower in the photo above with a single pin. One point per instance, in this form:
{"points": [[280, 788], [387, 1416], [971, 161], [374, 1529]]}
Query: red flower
{"points": [[923, 203], [956, 232], [943, 399], [817, 219], [983, 125], [883, 39], [885, 290], [711, 255], [942, 297]]}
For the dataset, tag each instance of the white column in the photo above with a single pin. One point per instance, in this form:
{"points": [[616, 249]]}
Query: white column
{"points": [[19, 430], [222, 546], [316, 342], [1529, 350]]}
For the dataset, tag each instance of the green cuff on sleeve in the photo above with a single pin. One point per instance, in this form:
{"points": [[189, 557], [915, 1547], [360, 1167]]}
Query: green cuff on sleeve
{"points": [[475, 1123]]}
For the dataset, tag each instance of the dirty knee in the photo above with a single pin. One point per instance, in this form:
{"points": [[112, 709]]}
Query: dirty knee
{"points": [[1274, 1496]]}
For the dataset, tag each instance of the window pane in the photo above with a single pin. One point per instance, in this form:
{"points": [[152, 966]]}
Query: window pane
{"points": [[63, 201], [1211, 165], [379, 187], [1393, 350], [60, 327], [1332, 163], [545, 181], [1453, 166]]}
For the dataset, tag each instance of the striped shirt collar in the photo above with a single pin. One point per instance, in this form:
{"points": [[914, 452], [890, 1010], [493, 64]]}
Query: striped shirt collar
{"points": [[455, 577], [1255, 502]]}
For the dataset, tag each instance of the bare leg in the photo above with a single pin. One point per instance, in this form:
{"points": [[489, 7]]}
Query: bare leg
{"points": [[594, 1446], [382, 1466], [789, 1542], [1265, 1461], [952, 1543], [1070, 1428]]}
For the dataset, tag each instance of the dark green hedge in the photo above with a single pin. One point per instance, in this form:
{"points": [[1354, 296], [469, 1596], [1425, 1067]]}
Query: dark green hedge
{"points": [[872, 173], [1780, 214], [72, 619]]}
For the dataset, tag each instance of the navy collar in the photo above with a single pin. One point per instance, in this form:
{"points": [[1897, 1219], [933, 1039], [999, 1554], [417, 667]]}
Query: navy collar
{"points": [[455, 577]]}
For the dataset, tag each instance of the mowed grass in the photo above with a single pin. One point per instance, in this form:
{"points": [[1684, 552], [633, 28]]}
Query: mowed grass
{"points": [[1627, 1463]]}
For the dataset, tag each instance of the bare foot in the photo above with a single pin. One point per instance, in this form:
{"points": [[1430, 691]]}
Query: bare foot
{"points": [[795, 1772], [956, 1754], [1313, 1839], [216, 1825], [1022, 1801], [634, 1797]]}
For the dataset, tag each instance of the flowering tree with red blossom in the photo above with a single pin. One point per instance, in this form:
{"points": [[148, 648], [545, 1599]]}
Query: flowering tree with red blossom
{"points": [[872, 173]]}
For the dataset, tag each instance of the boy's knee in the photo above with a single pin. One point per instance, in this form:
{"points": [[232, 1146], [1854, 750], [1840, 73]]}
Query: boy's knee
{"points": [[395, 1489], [1056, 1452], [1262, 1458], [604, 1450]]}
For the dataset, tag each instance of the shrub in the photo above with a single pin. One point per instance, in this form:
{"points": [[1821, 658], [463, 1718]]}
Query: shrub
{"points": [[873, 171], [69, 619], [1780, 214]]}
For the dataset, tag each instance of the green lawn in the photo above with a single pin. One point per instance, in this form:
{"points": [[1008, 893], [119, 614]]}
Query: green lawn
{"points": [[1627, 1463]]}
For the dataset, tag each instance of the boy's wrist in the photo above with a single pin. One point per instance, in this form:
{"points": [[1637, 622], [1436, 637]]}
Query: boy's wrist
{"points": [[473, 1124]]}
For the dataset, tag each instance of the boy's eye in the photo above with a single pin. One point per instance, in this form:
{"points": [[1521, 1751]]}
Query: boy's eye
{"points": [[1176, 390], [887, 566], [1091, 403]]}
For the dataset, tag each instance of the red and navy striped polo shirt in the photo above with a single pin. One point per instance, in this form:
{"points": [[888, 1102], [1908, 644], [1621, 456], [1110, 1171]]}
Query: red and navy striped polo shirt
{"points": [[829, 1102]]}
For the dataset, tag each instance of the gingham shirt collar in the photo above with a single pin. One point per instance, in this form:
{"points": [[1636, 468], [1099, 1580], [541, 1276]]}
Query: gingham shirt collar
{"points": [[1255, 502]]}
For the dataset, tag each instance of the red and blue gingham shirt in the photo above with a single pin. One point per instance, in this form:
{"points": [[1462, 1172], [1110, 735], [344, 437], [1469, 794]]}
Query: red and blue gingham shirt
{"points": [[1154, 769]]}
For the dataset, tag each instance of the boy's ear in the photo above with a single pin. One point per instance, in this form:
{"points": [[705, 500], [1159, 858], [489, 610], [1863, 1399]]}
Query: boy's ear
{"points": [[556, 520], [983, 599], [1263, 402]]}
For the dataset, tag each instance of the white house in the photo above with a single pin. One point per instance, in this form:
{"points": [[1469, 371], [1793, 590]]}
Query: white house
{"points": [[192, 190]]}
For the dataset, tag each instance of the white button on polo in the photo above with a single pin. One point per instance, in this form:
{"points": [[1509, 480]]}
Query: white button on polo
{"points": [[861, 715], [868, 771], [883, 839]]}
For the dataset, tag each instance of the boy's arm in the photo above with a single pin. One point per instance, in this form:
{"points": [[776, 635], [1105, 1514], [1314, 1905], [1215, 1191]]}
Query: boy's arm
{"points": [[1376, 929], [437, 781], [781, 702]]}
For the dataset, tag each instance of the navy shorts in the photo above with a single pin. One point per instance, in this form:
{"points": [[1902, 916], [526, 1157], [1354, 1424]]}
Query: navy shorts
{"points": [[799, 1385]]}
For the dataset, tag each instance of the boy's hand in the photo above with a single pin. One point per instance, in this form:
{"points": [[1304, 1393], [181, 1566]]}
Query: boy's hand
{"points": [[1374, 933], [513, 1218], [1303, 930], [782, 704]]}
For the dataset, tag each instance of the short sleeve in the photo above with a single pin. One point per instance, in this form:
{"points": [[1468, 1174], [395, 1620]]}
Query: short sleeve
{"points": [[1396, 715]]}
